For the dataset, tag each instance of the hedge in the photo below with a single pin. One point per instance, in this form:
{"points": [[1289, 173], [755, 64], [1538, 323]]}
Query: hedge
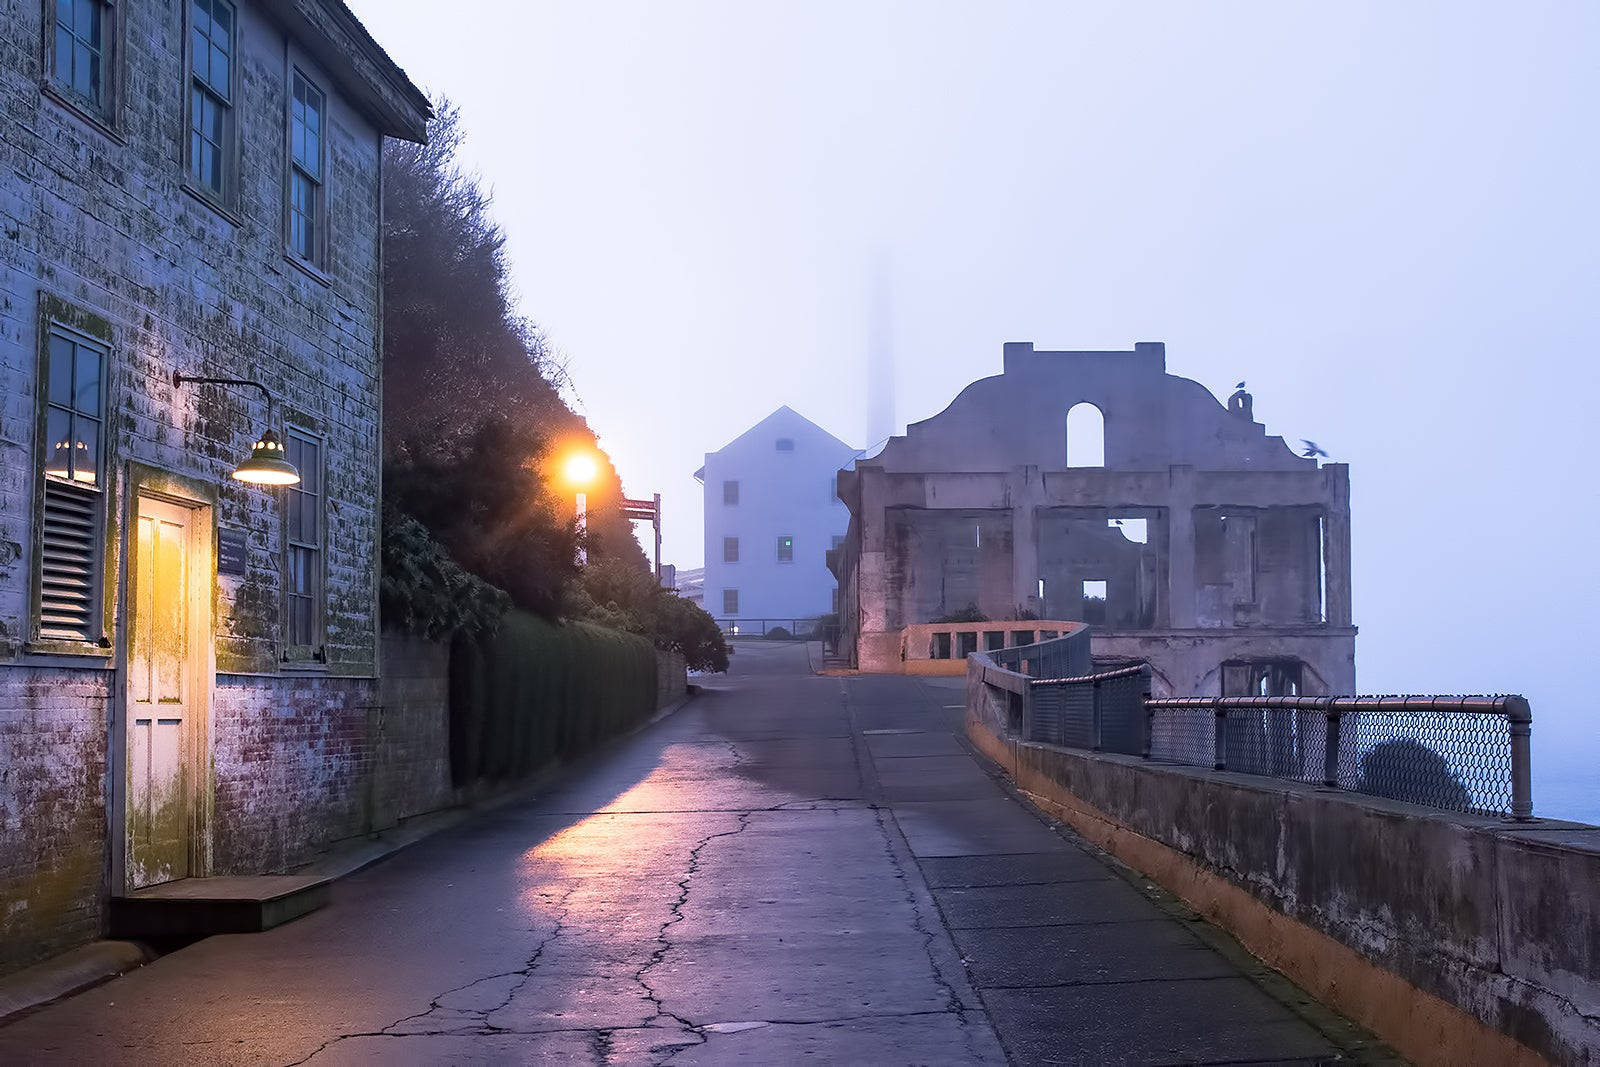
{"points": [[534, 692]]}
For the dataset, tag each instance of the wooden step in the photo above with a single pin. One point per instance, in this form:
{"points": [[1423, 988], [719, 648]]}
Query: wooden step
{"points": [[228, 904]]}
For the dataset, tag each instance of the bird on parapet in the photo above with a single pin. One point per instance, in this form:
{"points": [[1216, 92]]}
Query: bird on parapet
{"points": [[1239, 386], [1313, 450]]}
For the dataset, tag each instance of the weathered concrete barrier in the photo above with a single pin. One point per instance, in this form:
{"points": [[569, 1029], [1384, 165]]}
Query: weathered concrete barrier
{"points": [[1456, 938]]}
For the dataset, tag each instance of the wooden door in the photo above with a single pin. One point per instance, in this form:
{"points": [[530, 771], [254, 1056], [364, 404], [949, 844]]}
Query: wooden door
{"points": [[160, 774]]}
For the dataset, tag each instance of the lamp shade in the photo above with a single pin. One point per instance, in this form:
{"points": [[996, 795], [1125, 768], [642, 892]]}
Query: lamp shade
{"points": [[268, 464]]}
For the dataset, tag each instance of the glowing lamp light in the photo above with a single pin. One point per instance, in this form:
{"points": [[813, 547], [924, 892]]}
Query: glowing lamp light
{"points": [[580, 469], [268, 464]]}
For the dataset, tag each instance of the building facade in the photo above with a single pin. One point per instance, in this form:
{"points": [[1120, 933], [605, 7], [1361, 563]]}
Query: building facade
{"points": [[188, 662], [772, 512], [1096, 487]]}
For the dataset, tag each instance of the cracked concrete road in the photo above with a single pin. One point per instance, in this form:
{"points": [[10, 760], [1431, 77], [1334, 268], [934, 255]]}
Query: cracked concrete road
{"points": [[747, 880]]}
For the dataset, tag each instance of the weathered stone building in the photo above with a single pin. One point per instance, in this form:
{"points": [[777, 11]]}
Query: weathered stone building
{"points": [[187, 662], [1096, 487]]}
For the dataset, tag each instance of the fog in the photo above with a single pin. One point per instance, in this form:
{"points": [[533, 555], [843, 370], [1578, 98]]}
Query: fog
{"points": [[1381, 216]]}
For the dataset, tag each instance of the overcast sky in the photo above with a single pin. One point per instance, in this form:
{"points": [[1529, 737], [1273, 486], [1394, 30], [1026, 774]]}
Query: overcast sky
{"points": [[1385, 216]]}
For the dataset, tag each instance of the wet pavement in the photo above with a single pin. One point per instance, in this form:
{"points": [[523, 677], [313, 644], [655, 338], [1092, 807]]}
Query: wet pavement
{"points": [[792, 867]]}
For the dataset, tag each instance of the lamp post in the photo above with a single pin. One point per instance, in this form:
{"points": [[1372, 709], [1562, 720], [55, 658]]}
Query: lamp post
{"points": [[580, 471]]}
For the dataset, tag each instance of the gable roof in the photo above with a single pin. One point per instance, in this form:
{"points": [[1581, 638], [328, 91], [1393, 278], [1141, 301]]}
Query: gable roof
{"points": [[784, 414]]}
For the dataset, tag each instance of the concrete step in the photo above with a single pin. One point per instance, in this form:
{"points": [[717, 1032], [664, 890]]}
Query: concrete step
{"points": [[229, 904]]}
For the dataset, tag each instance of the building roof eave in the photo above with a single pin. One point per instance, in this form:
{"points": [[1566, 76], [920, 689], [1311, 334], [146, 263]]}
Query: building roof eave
{"points": [[375, 84]]}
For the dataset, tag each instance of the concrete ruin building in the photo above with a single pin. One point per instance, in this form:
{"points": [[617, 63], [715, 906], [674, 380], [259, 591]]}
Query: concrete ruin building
{"points": [[188, 663], [1096, 487]]}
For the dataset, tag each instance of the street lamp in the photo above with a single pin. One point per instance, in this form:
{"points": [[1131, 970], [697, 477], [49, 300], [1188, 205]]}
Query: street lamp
{"points": [[580, 471], [268, 463]]}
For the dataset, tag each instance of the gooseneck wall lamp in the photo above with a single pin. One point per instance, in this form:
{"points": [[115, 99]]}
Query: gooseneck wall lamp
{"points": [[269, 462]]}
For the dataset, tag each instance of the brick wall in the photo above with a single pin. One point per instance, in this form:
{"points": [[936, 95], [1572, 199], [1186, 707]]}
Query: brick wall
{"points": [[52, 822]]}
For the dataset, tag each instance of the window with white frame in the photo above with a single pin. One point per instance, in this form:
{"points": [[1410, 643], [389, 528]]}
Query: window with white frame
{"points": [[307, 190], [730, 550], [730, 492], [212, 39], [70, 549], [730, 601], [785, 550], [303, 512], [80, 51]]}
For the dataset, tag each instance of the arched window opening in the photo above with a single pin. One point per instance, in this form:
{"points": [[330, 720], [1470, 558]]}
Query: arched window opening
{"points": [[1086, 436]]}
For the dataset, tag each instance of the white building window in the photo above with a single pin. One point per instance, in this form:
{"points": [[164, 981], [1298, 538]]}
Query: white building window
{"points": [[70, 550], [80, 51], [303, 520], [307, 195], [730, 601], [730, 493], [785, 550], [785, 444], [730, 550], [211, 64]]}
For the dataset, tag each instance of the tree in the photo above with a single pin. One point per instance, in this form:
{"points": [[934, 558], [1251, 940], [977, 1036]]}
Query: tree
{"points": [[473, 417], [618, 594]]}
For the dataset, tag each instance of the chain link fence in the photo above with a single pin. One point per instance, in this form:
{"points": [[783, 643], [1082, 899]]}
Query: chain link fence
{"points": [[1457, 753]]}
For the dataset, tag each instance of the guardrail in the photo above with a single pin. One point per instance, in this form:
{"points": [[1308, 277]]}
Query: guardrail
{"points": [[1457, 753]]}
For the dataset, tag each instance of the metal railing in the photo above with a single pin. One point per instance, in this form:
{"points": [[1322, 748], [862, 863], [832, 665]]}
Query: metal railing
{"points": [[741, 627], [1458, 753]]}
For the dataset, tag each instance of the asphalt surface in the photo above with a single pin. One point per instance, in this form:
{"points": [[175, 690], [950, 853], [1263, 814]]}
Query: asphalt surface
{"points": [[793, 867]]}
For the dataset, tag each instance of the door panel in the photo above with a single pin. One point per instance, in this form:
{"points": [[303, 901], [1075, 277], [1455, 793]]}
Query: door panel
{"points": [[159, 781]]}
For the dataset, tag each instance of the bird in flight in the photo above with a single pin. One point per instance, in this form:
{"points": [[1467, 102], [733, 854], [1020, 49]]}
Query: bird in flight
{"points": [[1313, 450]]}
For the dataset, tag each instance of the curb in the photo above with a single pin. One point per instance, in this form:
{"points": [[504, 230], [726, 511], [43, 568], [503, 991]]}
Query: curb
{"points": [[71, 972]]}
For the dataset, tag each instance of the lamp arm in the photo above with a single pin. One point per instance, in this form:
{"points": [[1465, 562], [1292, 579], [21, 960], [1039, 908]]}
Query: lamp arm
{"points": [[179, 379]]}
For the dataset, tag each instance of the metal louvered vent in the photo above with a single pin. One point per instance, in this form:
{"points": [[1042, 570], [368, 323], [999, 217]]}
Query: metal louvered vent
{"points": [[68, 561]]}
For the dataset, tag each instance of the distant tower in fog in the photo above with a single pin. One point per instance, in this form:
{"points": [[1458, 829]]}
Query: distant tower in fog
{"points": [[880, 356]]}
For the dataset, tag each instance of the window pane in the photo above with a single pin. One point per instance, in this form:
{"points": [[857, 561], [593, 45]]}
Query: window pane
{"points": [[58, 444], [222, 25], [201, 53], [62, 59], [60, 371], [85, 450], [64, 13], [86, 375], [310, 467], [85, 22], [201, 17], [82, 68], [307, 530], [218, 77]]}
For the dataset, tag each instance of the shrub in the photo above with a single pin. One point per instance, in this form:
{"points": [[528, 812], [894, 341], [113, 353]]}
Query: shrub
{"points": [[535, 691], [424, 591], [778, 633], [970, 613]]}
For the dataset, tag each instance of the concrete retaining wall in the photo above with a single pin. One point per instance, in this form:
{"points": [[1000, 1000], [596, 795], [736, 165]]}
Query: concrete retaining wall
{"points": [[1455, 938]]}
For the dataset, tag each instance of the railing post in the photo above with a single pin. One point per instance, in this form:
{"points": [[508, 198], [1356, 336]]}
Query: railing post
{"points": [[1148, 717], [1221, 754], [1095, 716], [1519, 716], [1330, 746]]}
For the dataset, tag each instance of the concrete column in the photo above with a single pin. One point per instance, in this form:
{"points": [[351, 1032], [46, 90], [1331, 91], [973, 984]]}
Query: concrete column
{"points": [[1336, 544], [1180, 548], [1025, 487]]}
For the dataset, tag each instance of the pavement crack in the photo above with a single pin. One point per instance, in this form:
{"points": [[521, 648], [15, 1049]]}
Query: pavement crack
{"points": [[468, 1021], [929, 931], [674, 917]]}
